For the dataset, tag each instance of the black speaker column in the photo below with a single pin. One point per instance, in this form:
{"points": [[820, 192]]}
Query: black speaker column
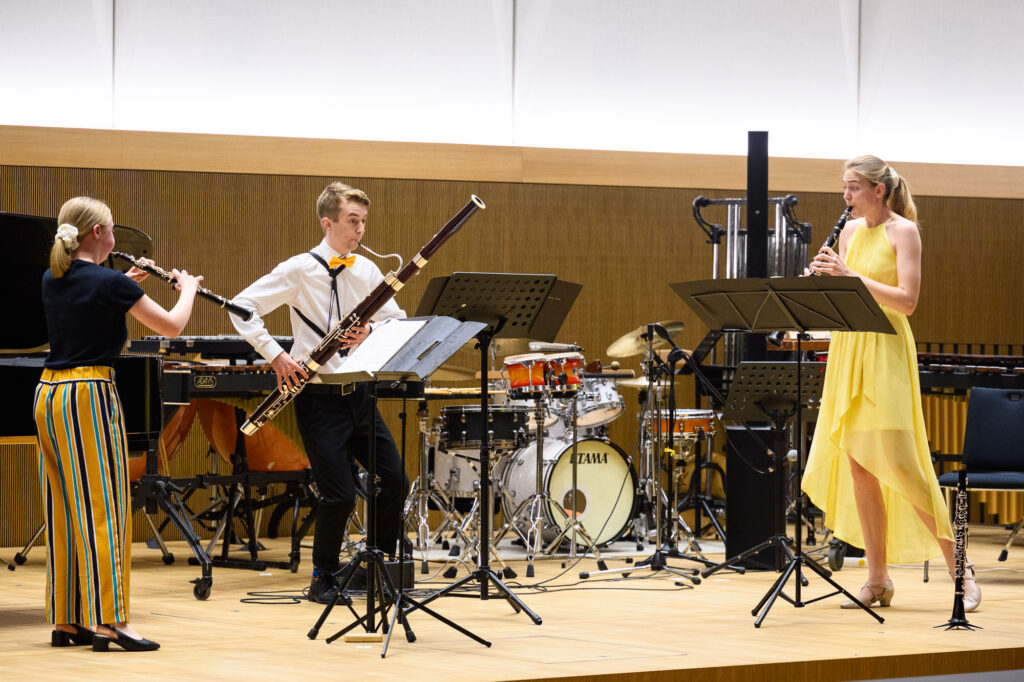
{"points": [[752, 498]]}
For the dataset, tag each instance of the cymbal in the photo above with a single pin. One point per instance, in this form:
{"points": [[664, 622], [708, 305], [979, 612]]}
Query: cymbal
{"points": [[452, 373], [636, 382], [504, 347], [634, 342]]}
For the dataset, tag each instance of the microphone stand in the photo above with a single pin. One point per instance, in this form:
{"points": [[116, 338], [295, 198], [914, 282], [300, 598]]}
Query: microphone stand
{"points": [[656, 562]]}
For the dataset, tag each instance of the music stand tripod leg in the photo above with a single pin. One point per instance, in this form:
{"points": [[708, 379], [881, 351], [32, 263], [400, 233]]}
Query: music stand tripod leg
{"points": [[483, 573], [381, 594]]}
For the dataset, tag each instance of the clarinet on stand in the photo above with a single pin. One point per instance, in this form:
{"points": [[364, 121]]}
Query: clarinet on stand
{"points": [[958, 621]]}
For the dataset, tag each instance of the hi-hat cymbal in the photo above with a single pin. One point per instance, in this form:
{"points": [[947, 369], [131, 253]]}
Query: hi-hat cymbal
{"points": [[635, 342], [452, 373]]}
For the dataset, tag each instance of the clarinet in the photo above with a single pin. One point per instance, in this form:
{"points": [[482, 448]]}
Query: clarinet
{"points": [[775, 338], [959, 617], [232, 308], [330, 345]]}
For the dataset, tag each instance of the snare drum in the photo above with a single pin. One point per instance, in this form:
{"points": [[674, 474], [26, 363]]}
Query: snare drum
{"points": [[526, 372], [564, 370], [461, 426], [689, 424]]}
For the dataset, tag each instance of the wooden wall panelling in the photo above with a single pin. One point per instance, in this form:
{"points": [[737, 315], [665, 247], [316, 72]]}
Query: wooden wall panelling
{"points": [[623, 244]]}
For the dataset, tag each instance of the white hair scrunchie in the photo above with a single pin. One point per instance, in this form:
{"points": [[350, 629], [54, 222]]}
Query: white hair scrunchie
{"points": [[69, 235], [895, 177]]}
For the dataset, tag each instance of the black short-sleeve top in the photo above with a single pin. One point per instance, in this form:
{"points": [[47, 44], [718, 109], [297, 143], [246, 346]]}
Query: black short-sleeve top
{"points": [[85, 314]]}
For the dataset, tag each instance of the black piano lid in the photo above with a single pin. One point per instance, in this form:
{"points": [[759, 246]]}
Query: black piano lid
{"points": [[30, 238]]}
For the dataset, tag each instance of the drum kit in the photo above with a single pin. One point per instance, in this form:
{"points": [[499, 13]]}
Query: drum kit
{"points": [[556, 476]]}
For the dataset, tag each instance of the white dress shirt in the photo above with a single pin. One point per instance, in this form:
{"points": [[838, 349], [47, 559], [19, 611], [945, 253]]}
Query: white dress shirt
{"points": [[303, 283]]}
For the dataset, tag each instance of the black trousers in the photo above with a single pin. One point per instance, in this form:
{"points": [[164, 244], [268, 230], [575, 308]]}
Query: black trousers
{"points": [[335, 431]]}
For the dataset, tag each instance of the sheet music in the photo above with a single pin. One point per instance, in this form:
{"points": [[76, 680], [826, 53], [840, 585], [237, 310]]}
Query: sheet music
{"points": [[383, 342]]}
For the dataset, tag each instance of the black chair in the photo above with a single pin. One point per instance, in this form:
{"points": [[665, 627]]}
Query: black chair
{"points": [[993, 446]]}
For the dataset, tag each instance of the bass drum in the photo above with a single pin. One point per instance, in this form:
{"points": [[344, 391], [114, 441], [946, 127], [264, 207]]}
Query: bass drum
{"points": [[605, 481]]}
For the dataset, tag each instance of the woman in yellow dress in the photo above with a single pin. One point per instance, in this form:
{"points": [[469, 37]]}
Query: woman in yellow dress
{"points": [[870, 466]]}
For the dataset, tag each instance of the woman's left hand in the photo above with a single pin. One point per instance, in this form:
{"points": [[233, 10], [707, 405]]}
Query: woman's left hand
{"points": [[137, 275], [828, 262]]}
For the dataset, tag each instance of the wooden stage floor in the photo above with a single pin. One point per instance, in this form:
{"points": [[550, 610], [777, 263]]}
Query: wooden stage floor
{"points": [[636, 629]]}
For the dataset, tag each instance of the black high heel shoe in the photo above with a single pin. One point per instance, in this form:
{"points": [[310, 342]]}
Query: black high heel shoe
{"points": [[102, 642], [80, 637]]}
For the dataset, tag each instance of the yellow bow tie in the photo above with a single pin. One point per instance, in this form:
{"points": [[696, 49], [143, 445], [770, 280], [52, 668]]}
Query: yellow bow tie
{"points": [[335, 261]]}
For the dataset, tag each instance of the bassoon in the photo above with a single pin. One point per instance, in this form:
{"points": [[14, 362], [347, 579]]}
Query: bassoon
{"points": [[332, 342]]}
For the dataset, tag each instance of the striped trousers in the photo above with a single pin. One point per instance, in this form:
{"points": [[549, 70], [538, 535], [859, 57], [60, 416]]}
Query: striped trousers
{"points": [[83, 471]]}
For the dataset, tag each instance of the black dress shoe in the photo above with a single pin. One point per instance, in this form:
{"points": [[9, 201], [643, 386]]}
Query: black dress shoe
{"points": [[324, 590], [102, 642], [357, 583], [80, 637]]}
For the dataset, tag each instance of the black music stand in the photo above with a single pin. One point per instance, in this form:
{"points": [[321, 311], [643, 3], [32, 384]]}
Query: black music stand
{"points": [[799, 304], [512, 306], [772, 391], [399, 376]]}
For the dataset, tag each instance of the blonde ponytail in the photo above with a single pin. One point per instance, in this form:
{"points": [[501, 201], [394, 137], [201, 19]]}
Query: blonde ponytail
{"points": [[76, 219], [897, 193]]}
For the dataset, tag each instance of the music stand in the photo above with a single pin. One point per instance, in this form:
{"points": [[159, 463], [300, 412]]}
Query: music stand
{"points": [[799, 304], [512, 306], [772, 391], [417, 350]]}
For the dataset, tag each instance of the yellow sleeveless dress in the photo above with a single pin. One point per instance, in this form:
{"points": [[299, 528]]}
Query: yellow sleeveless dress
{"points": [[871, 411]]}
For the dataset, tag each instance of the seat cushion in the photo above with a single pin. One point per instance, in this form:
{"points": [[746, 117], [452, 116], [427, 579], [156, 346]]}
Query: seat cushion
{"points": [[992, 480]]}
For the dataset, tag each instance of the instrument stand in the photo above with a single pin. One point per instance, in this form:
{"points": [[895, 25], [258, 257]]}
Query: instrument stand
{"points": [[532, 508], [511, 305], [800, 304], [426, 489], [381, 593], [657, 498], [698, 497], [574, 527], [692, 535], [466, 530]]}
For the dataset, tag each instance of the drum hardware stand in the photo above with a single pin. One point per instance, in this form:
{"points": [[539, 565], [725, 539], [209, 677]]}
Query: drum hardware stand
{"points": [[791, 303], [513, 305], [574, 526], [426, 489], [468, 529], [697, 495], [655, 492], [533, 507], [381, 593]]}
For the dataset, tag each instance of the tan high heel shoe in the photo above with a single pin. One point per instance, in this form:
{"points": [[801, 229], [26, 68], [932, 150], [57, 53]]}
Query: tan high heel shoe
{"points": [[972, 596], [875, 593]]}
